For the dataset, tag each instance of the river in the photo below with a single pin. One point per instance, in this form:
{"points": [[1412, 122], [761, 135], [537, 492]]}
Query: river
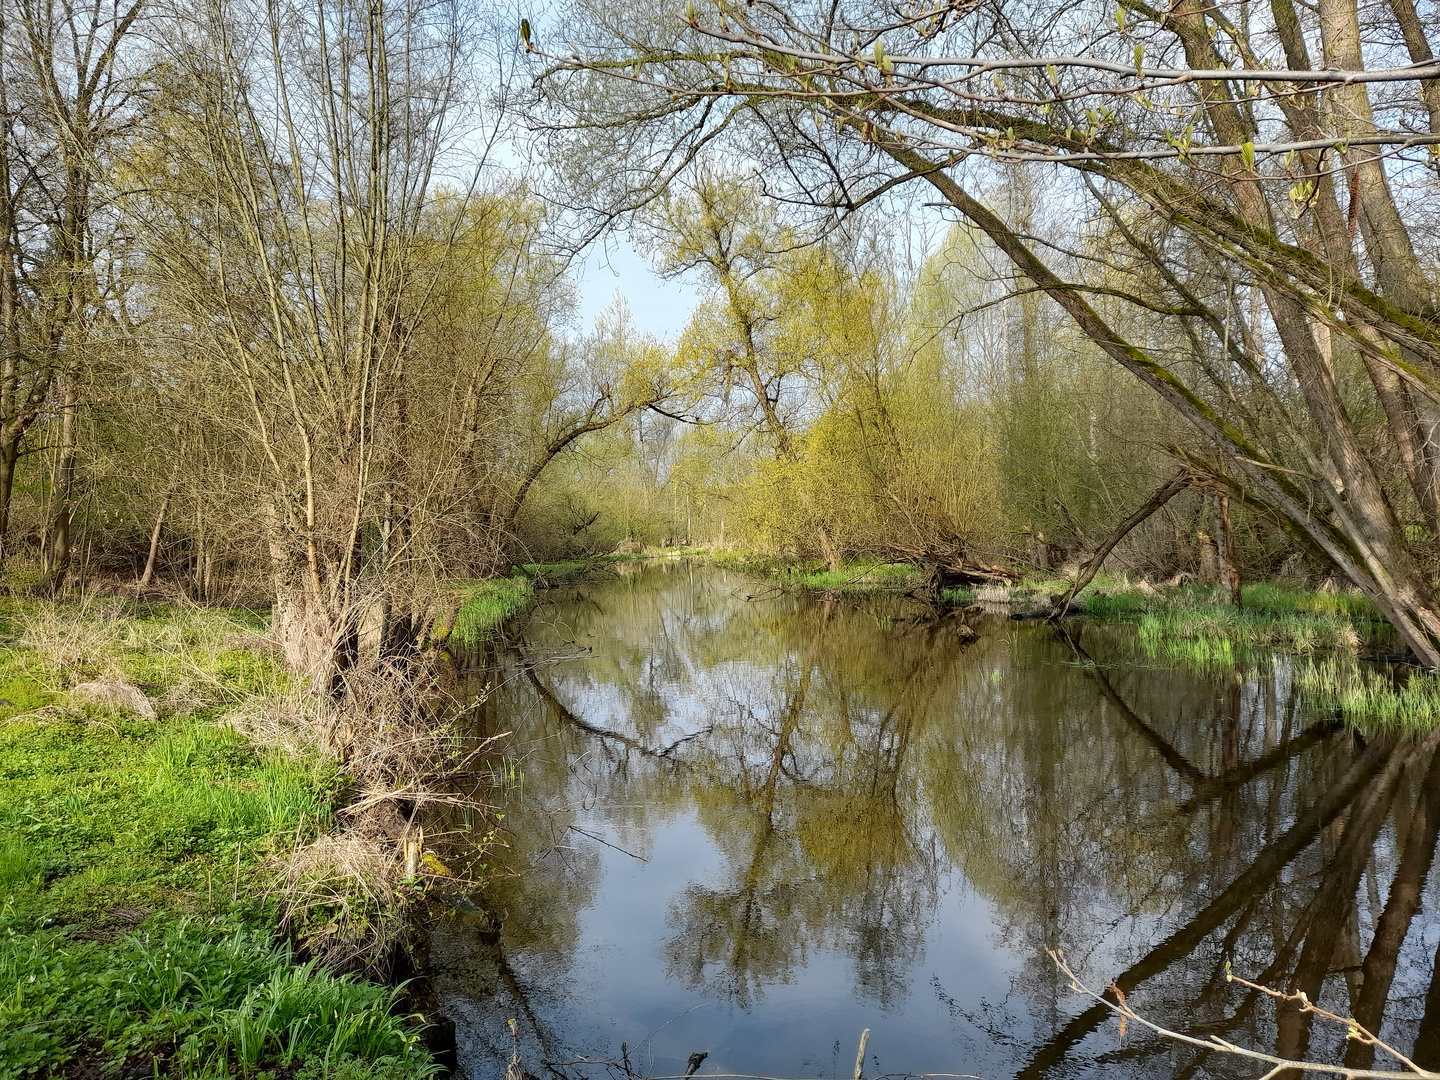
{"points": [[753, 825]]}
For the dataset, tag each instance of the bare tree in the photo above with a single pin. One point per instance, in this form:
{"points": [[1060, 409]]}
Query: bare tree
{"points": [[293, 246], [71, 74]]}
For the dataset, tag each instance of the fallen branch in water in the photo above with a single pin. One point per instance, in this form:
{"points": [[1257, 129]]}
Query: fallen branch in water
{"points": [[1116, 1003]]}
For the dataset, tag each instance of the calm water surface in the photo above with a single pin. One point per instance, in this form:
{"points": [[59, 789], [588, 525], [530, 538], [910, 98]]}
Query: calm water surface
{"points": [[753, 825]]}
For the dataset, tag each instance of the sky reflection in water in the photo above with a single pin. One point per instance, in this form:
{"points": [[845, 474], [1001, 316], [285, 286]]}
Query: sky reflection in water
{"points": [[755, 827]]}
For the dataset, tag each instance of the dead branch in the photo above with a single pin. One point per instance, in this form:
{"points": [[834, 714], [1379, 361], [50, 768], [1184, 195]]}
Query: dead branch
{"points": [[1117, 1004], [1163, 494]]}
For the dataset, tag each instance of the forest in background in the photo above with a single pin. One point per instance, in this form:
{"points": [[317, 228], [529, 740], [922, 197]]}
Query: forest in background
{"points": [[287, 310]]}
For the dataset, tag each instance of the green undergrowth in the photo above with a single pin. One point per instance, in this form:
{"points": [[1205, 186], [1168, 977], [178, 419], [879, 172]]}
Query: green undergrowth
{"points": [[861, 577], [194, 997], [853, 578], [1197, 626], [136, 842], [1374, 699], [484, 606]]}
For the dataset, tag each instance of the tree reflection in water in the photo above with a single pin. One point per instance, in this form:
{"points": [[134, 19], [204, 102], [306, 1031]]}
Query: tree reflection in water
{"points": [[856, 789]]}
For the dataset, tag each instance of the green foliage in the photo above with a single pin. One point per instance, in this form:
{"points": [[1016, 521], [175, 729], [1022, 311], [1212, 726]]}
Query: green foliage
{"points": [[1063, 424], [217, 997], [486, 605], [134, 858]]}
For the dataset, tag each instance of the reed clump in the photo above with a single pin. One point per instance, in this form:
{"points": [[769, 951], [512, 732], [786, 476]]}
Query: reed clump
{"points": [[1374, 699], [1197, 626]]}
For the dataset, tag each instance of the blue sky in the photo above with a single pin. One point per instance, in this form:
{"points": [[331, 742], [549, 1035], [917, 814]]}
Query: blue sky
{"points": [[657, 306]]}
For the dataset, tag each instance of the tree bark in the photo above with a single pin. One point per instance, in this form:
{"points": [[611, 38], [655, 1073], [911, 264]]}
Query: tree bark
{"points": [[155, 542], [9, 456], [1225, 544], [1361, 534], [62, 517]]}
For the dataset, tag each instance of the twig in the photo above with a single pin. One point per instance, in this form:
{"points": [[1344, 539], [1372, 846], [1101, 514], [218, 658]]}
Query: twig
{"points": [[602, 840], [1280, 1064]]}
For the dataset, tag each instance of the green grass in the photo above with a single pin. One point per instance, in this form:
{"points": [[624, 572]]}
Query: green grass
{"points": [[861, 577], [1269, 598], [1374, 700], [1197, 626], [197, 998], [486, 605], [133, 860]]}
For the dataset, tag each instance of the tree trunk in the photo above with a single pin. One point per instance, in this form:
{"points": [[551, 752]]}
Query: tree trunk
{"points": [[155, 542], [1225, 548], [61, 547], [1361, 535], [9, 456], [828, 550]]}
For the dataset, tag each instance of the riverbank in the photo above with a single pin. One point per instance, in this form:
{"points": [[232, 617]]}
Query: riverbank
{"points": [[1335, 634], [143, 831], [1271, 615]]}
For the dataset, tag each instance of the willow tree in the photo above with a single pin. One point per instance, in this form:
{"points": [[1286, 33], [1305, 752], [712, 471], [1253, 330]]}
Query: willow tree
{"points": [[291, 236], [1241, 153]]}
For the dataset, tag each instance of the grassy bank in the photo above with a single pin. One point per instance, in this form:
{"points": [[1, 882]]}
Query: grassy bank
{"points": [[1197, 624], [139, 833], [484, 605], [1191, 622]]}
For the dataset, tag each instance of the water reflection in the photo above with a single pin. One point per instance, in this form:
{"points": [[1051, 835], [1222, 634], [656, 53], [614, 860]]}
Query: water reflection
{"points": [[753, 825]]}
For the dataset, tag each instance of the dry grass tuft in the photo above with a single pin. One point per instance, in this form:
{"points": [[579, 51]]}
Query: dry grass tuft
{"points": [[69, 638], [407, 774], [344, 898], [294, 723], [114, 694]]}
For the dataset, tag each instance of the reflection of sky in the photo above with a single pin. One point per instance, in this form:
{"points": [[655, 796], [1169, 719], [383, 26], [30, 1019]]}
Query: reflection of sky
{"points": [[1108, 873], [617, 987], [798, 1023]]}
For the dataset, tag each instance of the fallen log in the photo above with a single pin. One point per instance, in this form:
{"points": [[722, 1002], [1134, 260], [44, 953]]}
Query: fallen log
{"points": [[962, 574]]}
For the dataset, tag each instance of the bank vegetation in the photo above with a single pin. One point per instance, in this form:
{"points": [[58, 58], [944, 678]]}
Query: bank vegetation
{"points": [[288, 328]]}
